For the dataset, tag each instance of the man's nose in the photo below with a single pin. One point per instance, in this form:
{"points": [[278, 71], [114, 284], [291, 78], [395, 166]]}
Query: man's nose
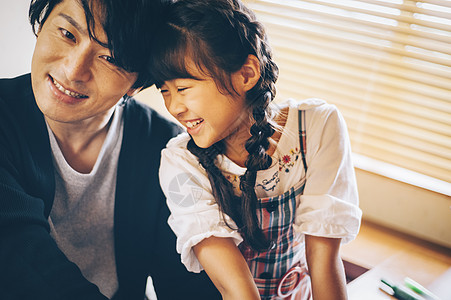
{"points": [[78, 65]]}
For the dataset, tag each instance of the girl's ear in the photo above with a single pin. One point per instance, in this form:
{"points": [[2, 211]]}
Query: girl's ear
{"points": [[249, 74]]}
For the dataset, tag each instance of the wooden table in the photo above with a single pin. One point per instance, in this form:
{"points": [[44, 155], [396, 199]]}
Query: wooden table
{"points": [[391, 255]]}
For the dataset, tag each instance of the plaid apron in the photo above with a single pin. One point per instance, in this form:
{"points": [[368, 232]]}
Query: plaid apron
{"points": [[276, 272]]}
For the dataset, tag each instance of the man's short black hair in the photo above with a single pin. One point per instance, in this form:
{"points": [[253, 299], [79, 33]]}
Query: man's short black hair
{"points": [[125, 22]]}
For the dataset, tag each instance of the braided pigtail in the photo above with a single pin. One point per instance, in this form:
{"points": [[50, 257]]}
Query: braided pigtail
{"points": [[258, 100], [257, 160], [222, 188]]}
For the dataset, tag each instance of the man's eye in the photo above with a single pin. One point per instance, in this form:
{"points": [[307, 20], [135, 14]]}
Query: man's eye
{"points": [[181, 89], [67, 34], [109, 59]]}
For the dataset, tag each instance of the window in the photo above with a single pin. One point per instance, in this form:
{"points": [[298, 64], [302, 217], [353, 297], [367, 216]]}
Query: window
{"points": [[386, 64]]}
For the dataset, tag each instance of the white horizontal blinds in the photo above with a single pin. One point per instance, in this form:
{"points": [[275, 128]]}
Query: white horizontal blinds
{"points": [[386, 64]]}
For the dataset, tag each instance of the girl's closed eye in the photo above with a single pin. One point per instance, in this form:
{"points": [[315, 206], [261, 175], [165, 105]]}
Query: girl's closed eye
{"points": [[163, 88], [174, 87], [181, 89]]}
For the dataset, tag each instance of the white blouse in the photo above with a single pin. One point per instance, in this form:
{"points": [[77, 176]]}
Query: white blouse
{"points": [[327, 208]]}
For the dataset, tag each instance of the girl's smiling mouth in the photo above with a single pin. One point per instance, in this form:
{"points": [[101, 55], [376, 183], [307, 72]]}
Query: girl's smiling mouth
{"points": [[193, 124]]}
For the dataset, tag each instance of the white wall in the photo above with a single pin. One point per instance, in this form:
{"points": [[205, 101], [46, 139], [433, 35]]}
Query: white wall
{"points": [[16, 38], [404, 207]]}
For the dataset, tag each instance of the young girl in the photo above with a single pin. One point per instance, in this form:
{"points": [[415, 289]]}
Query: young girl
{"points": [[260, 197]]}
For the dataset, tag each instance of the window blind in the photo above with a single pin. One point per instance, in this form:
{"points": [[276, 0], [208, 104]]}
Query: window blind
{"points": [[386, 64]]}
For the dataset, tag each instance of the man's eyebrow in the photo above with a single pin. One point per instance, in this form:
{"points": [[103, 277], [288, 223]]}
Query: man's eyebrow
{"points": [[83, 31], [74, 23]]}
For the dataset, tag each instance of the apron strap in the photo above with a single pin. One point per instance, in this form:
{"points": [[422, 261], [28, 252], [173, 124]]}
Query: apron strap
{"points": [[302, 137]]}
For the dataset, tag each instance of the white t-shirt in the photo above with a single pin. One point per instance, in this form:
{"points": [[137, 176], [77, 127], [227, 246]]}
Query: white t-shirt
{"points": [[327, 208], [82, 216]]}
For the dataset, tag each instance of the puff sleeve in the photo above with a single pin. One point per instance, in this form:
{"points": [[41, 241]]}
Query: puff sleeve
{"points": [[194, 212], [329, 204]]}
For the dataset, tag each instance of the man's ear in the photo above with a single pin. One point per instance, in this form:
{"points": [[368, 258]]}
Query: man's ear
{"points": [[249, 74]]}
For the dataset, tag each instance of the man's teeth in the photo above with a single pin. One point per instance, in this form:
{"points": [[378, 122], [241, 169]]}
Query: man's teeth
{"points": [[67, 92], [192, 124]]}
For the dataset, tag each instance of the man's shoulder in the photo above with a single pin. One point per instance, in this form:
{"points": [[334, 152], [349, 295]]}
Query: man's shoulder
{"points": [[15, 87], [145, 123], [17, 101], [141, 112]]}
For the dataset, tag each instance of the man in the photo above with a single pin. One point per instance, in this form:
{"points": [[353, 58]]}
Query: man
{"points": [[82, 215]]}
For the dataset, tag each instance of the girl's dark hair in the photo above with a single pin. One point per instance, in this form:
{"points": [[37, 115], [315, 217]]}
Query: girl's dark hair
{"points": [[125, 23], [218, 36]]}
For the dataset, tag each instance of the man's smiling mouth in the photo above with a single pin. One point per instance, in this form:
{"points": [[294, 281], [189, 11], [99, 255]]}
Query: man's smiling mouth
{"points": [[67, 92]]}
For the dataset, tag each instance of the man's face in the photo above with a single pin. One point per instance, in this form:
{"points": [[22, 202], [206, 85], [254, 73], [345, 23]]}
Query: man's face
{"points": [[73, 77]]}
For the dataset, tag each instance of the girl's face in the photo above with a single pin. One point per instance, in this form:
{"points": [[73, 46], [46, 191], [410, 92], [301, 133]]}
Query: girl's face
{"points": [[208, 115]]}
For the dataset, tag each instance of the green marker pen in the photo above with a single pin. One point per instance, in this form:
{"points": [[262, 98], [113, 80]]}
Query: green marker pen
{"points": [[401, 292], [418, 288]]}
